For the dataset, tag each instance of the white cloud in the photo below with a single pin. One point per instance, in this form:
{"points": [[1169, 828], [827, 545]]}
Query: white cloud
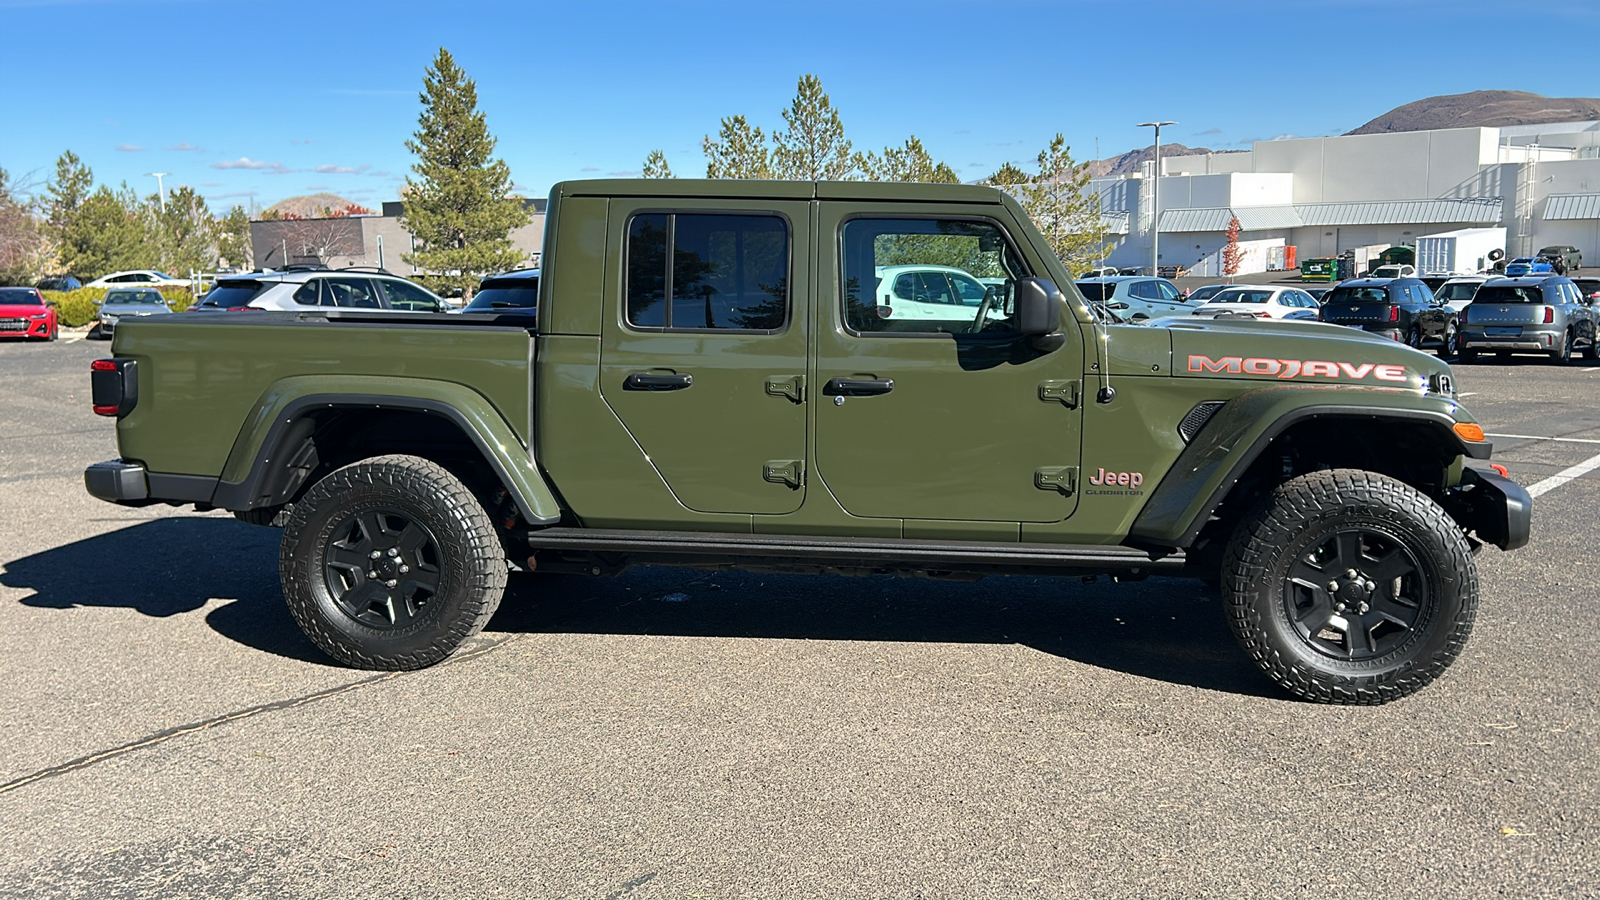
{"points": [[245, 162], [130, 148], [186, 146], [342, 170]]}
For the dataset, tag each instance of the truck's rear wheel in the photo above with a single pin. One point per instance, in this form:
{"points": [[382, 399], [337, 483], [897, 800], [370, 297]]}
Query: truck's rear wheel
{"points": [[1350, 587], [391, 563]]}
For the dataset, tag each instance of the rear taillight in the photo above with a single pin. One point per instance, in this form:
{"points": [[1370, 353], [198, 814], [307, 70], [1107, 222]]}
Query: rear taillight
{"points": [[114, 386], [1394, 313], [1549, 315]]}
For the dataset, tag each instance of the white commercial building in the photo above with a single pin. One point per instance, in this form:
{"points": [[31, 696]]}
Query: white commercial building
{"points": [[1325, 196]]}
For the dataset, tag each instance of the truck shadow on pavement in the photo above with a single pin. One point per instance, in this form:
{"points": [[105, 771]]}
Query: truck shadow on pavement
{"points": [[1166, 629], [1170, 630], [168, 567]]}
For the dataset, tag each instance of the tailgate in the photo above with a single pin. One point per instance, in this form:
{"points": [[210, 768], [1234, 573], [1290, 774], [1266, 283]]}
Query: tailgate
{"points": [[1346, 313]]}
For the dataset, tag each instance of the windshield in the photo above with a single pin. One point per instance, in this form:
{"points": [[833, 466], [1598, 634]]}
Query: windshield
{"points": [[1356, 295], [1505, 293], [133, 297], [500, 296], [1455, 293], [19, 295], [1238, 296], [1207, 292]]}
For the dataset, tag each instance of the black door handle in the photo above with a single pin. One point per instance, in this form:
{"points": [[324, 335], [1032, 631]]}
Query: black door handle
{"points": [[651, 381], [858, 387]]}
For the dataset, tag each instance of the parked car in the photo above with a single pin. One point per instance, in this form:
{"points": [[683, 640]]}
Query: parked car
{"points": [[319, 289], [59, 283], [508, 292], [1532, 314], [1588, 287], [1257, 302], [1528, 265], [1563, 258], [1318, 293], [930, 293], [1457, 292], [23, 313], [1394, 270], [1202, 294], [127, 303], [138, 278], [1135, 297], [1401, 309]]}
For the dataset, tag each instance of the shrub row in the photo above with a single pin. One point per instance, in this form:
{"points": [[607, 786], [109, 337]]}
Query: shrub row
{"points": [[82, 306]]}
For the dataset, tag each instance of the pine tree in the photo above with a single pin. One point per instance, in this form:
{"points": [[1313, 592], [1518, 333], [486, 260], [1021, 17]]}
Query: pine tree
{"points": [[814, 147], [458, 207], [655, 166], [67, 191], [233, 239], [108, 232], [911, 162], [740, 151], [1008, 176], [1064, 209], [185, 232]]}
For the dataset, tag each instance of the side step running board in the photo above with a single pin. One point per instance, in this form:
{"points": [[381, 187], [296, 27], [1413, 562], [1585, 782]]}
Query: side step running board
{"points": [[749, 549]]}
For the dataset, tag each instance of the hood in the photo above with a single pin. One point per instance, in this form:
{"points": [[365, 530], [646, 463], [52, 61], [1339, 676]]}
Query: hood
{"points": [[1300, 352], [21, 310]]}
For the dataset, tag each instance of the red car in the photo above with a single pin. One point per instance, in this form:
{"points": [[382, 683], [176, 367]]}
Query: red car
{"points": [[23, 313]]}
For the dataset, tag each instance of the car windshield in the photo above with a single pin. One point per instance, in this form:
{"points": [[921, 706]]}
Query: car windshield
{"points": [[1207, 292], [1238, 296], [1454, 293], [18, 295], [1508, 293], [504, 296], [132, 297], [161, 275], [1356, 295]]}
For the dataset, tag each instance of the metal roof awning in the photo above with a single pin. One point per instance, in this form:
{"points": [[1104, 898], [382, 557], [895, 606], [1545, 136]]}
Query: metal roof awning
{"points": [[1216, 218], [1114, 220], [1572, 206], [1402, 212]]}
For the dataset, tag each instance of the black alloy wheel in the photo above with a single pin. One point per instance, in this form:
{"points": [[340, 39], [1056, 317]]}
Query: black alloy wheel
{"points": [[1564, 355], [381, 568], [1414, 338], [1452, 342], [1356, 594]]}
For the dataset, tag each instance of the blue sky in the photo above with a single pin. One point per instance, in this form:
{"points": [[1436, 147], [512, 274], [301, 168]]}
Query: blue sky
{"points": [[261, 101]]}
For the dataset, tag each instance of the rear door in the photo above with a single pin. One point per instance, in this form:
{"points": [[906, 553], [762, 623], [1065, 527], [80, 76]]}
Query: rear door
{"points": [[703, 347]]}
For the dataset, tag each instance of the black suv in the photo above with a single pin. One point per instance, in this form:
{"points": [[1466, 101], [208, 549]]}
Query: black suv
{"points": [[1403, 309], [1563, 258], [509, 292]]}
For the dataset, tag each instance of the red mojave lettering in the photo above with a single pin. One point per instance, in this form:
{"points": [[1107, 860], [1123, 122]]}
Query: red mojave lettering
{"points": [[1295, 368]]}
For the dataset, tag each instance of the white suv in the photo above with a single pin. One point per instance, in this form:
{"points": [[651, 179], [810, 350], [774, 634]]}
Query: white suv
{"points": [[321, 289]]}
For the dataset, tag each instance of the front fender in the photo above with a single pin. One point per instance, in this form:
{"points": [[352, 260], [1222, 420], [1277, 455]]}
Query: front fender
{"points": [[289, 400], [1243, 427]]}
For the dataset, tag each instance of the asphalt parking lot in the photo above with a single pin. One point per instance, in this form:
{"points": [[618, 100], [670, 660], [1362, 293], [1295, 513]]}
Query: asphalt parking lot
{"points": [[165, 731]]}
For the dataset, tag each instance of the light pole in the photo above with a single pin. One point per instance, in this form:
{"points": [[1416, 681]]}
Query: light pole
{"points": [[1155, 202], [161, 188]]}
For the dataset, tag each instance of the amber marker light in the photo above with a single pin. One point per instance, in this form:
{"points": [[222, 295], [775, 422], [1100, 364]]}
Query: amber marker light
{"points": [[1469, 432]]}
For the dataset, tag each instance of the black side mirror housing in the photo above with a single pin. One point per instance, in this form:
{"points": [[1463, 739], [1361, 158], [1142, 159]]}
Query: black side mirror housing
{"points": [[1039, 313]]}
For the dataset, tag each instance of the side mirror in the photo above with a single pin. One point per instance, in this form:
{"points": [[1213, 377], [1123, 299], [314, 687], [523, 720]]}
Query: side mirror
{"points": [[1039, 313]]}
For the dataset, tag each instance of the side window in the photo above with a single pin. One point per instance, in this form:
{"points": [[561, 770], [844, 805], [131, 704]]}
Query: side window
{"points": [[971, 259], [1424, 294], [935, 289], [407, 296], [1168, 292], [307, 294], [351, 293], [726, 271], [1143, 290]]}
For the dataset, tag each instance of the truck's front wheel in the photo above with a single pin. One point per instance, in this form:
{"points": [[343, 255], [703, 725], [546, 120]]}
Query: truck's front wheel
{"points": [[391, 563], [1350, 587]]}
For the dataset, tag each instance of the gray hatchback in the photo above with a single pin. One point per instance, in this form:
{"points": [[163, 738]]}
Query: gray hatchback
{"points": [[1531, 314]]}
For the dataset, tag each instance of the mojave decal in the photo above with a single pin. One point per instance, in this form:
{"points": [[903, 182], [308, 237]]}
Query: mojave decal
{"points": [[1295, 368]]}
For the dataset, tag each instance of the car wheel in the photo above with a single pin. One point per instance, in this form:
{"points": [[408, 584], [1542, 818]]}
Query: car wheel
{"points": [[1346, 586], [1564, 355], [1414, 338], [55, 332], [391, 563], [1452, 340]]}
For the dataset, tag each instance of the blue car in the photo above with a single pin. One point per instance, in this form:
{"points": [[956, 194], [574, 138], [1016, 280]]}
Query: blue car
{"points": [[1528, 265]]}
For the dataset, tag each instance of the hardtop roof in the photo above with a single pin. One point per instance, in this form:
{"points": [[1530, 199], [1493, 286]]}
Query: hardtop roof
{"points": [[776, 190]]}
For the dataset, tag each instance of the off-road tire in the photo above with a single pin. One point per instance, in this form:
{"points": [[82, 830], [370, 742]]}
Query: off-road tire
{"points": [[466, 564], [1290, 531]]}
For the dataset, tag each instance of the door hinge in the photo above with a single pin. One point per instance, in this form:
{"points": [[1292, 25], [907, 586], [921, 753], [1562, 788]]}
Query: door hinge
{"points": [[1066, 392], [784, 471], [791, 386], [1056, 478]]}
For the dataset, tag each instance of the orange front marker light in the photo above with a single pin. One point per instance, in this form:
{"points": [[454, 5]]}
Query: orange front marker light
{"points": [[1469, 432]]}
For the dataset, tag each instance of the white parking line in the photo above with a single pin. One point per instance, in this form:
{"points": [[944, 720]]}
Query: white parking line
{"points": [[1468, 394], [1562, 477], [1540, 437], [70, 336]]}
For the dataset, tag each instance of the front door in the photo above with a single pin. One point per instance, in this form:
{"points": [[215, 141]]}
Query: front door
{"points": [[923, 414], [703, 352]]}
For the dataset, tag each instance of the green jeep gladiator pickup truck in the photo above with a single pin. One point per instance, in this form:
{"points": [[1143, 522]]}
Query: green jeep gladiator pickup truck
{"points": [[717, 376]]}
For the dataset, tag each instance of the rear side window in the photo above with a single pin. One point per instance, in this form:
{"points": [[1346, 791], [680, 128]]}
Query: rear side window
{"points": [[708, 271], [231, 294], [307, 294], [350, 293]]}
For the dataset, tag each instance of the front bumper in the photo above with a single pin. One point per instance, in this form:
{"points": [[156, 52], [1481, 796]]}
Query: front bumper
{"points": [[1495, 508], [25, 327]]}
